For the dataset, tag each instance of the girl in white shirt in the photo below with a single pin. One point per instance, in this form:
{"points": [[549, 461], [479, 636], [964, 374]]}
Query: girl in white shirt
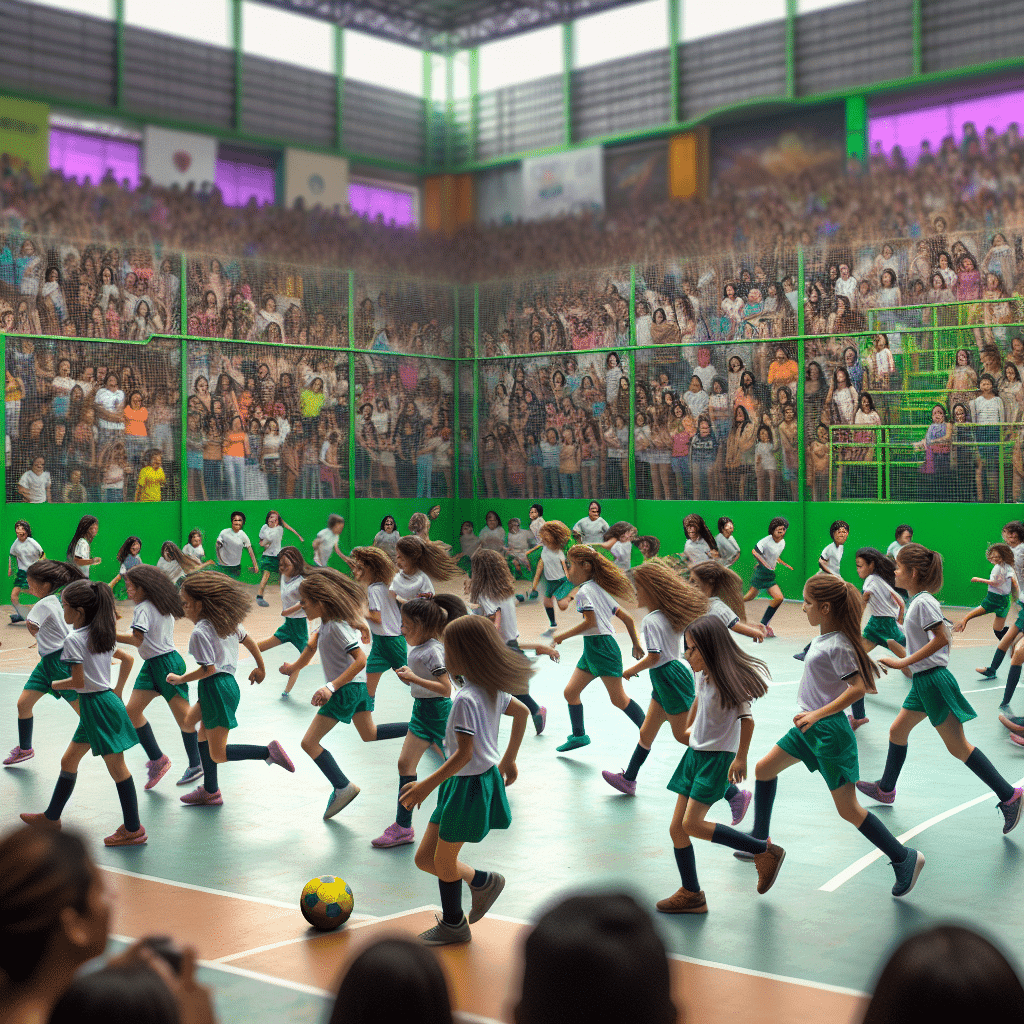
{"points": [[618, 541], [194, 549], [600, 583], [419, 566], [717, 731], [388, 536], [518, 545], [24, 551], [724, 591], [700, 546], [104, 727], [374, 569], [593, 527], [174, 563], [294, 629], [554, 536], [492, 536], [80, 548], [728, 547], [271, 536], [1001, 581], [469, 543], [934, 693], [767, 554]]}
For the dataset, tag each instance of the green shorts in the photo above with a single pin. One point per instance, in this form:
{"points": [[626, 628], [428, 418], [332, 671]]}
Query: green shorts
{"points": [[294, 631], [469, 806], [218, 700], [49, 668], [104, 724], [429, 718], [882, 628], [703, 775], [557, 588], [268, 563], [386, 652], [232, 570], [20, 578], [348, 700], [1020, 620], [936, 693], [601, 656], [998, 604], [762, 578], [153, 675], [828, 746], [673, 687]]}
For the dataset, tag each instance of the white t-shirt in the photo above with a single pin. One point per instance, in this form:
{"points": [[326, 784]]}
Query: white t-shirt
{"points": [[622, 554], [323, 543], [554, 568], [408, 588], [881, 597], [715, 727], [590, 597], [380, 599], [893, 550], [82, 550], [273, 535], [520, 542], [770, 550], [476, 713], [48, 615], [230, 546], [157, 630], [591, 530], [492, 540], [95, 666], [924, 615], [195, 552], [728, 549], [508, 627], [718, 608], [999, 579], [388, 542], [535, 525], [829, 663], [697, 551], [170, 568], [209, 649], [26, 552], [337, 642], [833, 555], [426, 661], [469, 544], [1018, 565], [660, 638], [290, 596], [35, 484]]}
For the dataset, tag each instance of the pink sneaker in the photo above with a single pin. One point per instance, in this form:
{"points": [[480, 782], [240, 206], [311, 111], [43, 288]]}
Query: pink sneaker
{"points": [[769, 633], [18, 755], [617, 780], [1016, 738], [875, 791], [157, 770], [856, 723], [278, 756], [739, 804], [122, 837], [394, 835], [200, 798]]}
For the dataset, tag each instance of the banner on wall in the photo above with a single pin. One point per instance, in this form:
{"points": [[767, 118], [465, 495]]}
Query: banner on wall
{"points": [[563, 183], [317, 179], [178, 158], [25, 134], [499, 195], [636, 175]]}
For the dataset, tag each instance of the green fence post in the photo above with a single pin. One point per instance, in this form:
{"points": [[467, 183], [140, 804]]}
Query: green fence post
{"points": [[917, 64], [633, 486], [339, 87], [236, 42], [119, 89], [428, 109], [456, 433], [474, 434], [790, 48], [353, 417], [674, 23], [567, 60], [801, 362], [474, 101], [183, 443]]}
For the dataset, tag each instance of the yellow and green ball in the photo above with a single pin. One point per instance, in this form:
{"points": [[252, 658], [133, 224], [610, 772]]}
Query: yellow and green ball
{"points": [[326, 902]]}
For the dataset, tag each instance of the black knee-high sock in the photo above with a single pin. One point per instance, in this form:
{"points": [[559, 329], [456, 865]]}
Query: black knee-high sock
{"points": [[531, 705], [635, 762], [732, 791], [857, 707], [61, 795], [893, 766], [1012, 678], [576, 718], [551, 614], [764, 799], [1000, 633], [480, 879], [149, 743], [246, 752], [769, 612], [634, 713], [209, 767], [191, 742], [326, 763], [404, 816], [25, 733], [451, 901], [997, 660], [986, 771], [391, 730], [129, 804], [875, 832], [725, 835], [687, 864]]}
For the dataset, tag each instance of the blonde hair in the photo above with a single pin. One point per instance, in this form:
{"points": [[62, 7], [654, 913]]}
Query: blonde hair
{"points": [[607, 575], [679, 601], [491, 577], [225, 603], [430, 558], [557, 530], [847, 608], [1004, 552], [340, 599], [736, 675], [925, 564], [377, 563], [473, 649], [418, 522], [724, 583]]}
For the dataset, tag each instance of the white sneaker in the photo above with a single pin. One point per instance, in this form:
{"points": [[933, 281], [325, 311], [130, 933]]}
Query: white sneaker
{"points": [[340, 799]]}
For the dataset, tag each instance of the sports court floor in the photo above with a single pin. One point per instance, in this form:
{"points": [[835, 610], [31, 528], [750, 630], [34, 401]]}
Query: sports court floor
{"points": [[227, 879]]}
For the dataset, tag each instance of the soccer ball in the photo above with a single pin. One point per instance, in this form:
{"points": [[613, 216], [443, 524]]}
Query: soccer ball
{"points": [[326, 902]]}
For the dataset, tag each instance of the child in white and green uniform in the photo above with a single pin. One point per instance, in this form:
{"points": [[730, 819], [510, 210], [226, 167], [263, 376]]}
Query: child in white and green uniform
{"points": [[294, 629], [24, 551], [271, 536]]}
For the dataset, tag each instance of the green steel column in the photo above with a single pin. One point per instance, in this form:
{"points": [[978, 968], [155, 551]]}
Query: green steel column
{"points": [[857, 127], [183, 296], [633, 495], [353, 416], [449, 108], [915, 27], [339, 87], [474, 434], [458, 382], [236, 42], [791, 48], [674, 25], [801, 359], [3, 447], [567, 62], [183, 499], [474, 101], [119, 89], [428, 107]]}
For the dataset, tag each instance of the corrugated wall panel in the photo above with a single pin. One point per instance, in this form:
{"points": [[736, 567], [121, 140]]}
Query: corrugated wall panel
{"points": [[282, 101], [622, 95], [954, 33], [519, 118], [383, 122]]}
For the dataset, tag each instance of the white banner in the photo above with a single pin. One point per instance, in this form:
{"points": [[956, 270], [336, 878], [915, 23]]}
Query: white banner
{"points": [[318, 179], [178, 158], [563, 183]]}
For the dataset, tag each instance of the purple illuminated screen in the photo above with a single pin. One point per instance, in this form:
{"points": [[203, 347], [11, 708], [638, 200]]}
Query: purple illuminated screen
{"points": [[370, 201], [240, 182], [80, 156]]}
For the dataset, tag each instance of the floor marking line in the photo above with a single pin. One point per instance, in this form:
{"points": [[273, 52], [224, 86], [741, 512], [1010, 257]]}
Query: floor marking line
{"points": [[983, 689], [268, 979], [859, 865], [260, 949], [266, 901]]}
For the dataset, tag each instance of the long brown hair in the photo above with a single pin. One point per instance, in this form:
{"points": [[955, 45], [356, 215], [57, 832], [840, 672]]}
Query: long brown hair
{"points": [[377, 563], [491, 577], [225, 603], [725, 584], [96, 601], [297, 559], [157, 589], [473, 648], [340, 596], [429, 558], [679, 601], [924, 563], [557, 530], [607, 575], [54, 574], [847, 607], [736, 675]]}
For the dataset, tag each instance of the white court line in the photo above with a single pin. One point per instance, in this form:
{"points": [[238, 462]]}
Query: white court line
{"points": [[983, 689], [859, 865]]}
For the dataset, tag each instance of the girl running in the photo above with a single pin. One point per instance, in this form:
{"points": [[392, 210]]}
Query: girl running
{"points": [[518, 546], [374, 569], [724, 591], [218, 605], [24, 551], [553, 536], [419, 566], [230, 545], [836, 672], [618, 541], [600, 583], [271, 535], [718, 732], [45, 623], [934, 693], [174, 563], [104, 728], [326, 540], [469, 544], [1001, 581], [768, 554], [700, 545], [294, 630], [387, 537], [80, 549], [157, 605], [194, 549], [648, 546], [728, 547], [127, 558], [472, 797]]}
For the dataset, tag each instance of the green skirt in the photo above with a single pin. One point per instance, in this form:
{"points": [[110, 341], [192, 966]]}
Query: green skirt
{"points": [[153, 675], [557, 588], [1020, 620], [936, 693], [294, 631], [104, 724], [268, 563], [429, 718], [703, 775], [828, 747], [218, 700], [762, 578], [469, 806], [386, 652], [232, 570], [882, 628], [998, 604], [348, 700], [673, 687], [49, 669], [601, 656], [20, 578]]}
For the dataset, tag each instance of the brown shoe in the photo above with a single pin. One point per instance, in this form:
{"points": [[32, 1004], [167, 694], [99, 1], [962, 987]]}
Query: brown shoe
{"points": [[40, 821], [768, 864], [682, 901]]}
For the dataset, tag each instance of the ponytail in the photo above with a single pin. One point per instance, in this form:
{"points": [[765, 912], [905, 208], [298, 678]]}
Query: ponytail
{"points": [[923, 563], [845, 601], [96, 600], [881, 565], [54, 574]]}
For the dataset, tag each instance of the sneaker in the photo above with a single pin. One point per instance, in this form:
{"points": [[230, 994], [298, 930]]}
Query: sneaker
{"points": [[340, 799], [1019, 740], [193, 773], [533, 595], [15, 618], [1013, 724], [769, 633], [986, 673], [521, 598], [875, 791], [262, 601], [856, 723], [540, 719], [618, 780], [122, 837], [157, 770], [739, 804], [743, 855], [907, 871], [200, 798], [278, 756], [1012, 809], [444, 934], [572, 742], [800, 656], [682, 901], [768, 865], [484, 897], [285, 695], [18, 755], [549, 631], [394, 835], [40, 821]]}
